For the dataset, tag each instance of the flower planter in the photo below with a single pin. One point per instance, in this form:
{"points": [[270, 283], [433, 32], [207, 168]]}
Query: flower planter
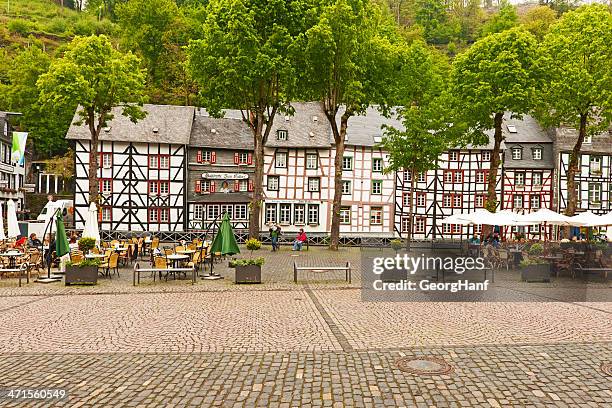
{"points": [[536, 273], [81, 275], [248, 274]]}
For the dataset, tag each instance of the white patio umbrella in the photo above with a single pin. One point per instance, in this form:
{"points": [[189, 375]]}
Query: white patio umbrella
{"points": [[460, 219], [587, 219], [2, 236], [480, 216], [91, 224], [607, 218], [11, 220], [544, 215]]}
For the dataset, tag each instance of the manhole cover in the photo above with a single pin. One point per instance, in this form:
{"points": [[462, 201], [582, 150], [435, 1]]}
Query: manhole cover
{"points": [[606, 368], [423, 365]]}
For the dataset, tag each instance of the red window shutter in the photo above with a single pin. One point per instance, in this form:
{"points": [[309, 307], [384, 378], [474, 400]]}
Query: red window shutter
{"points": [[236, 158], [198, 186], [213, 187], [111, 159], [100, 215], [236, 185], [213, 157], [199, 156], [250, 185], [100, 185], [250, 158]]}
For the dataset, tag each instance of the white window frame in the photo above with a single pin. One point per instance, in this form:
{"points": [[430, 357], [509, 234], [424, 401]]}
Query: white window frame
{"points": [[537, 153], [419, 225], [518, 201], [282, 134], [317, 182], [535, 201], [347, 160], [271, 212], [107, 214], [107, 160], [166, 164], [313, 214], [595, 190], [346, 187], [345, 215], [241, 212], [273, 181], [299, 214], [377, 164], [486, 156], [517, 153], [312, 161], [376, 215], [198, 211], [284, 214], [537, 178], [519, 178], [212, 211], [280, 163], [377, 187]]}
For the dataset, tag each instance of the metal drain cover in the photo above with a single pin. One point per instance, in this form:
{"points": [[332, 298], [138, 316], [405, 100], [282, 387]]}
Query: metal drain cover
{"points": [[606, 368], [423, 365]]}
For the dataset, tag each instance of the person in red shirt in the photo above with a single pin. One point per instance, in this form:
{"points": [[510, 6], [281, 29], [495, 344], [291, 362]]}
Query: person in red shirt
{"points": [[299, 240]]}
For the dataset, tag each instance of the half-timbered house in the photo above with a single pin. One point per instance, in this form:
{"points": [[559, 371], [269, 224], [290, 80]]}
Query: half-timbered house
{"points": [[527, 171], [594, 176], [367, 193], [220, 170], [298, 183], [458, 185], [141, 170]]}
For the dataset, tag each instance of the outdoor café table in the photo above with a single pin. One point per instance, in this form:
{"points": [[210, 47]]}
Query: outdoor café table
{"points": [[12, 257], [95, 256], [176, 258]]}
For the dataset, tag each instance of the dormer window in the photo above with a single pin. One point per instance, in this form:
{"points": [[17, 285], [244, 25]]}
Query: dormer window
{"points": [[512, 129], [517, 153], [537, 153], [282, 134]]}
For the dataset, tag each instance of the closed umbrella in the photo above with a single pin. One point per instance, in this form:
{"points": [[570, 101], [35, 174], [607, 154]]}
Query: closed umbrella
{"points": [[225, 241], [11, 220], [2, 236], [61, 240], [91, 224]]}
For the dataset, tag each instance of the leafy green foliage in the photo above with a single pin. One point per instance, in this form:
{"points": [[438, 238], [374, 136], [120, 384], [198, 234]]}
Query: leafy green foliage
{"points": [[497, 74], [536, 249], [96, 77], [537, 20], [84, 263], [576, 87], [246, 262], [253, 244], [503, 20], [86, 244]]}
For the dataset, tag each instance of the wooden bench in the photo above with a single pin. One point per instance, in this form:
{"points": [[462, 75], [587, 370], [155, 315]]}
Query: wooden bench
{"points": [[346, 269], [23, 268], [155, 271]]}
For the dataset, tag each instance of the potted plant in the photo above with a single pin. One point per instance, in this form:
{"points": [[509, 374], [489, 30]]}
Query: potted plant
{"points": [[84, 272], [249, 270], [533, 268], [87, 244]]}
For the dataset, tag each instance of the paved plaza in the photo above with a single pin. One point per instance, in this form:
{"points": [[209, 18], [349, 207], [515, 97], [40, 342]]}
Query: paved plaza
{"points": [[316, 343]]}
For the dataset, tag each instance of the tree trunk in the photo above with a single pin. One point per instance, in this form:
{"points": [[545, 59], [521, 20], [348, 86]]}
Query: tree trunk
{"points": [[258, 160], [94, 130], [339, 135], [572, 191], [491, 204], [412, 197]]}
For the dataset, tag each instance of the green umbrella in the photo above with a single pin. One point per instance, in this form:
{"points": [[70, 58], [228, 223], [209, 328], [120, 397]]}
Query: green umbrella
{"points": [[61, 241], [225, 241]]}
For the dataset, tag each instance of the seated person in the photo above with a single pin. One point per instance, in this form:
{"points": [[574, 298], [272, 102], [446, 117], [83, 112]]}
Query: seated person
{"points": [[20, 242], [299, 240], [34, 242], [474, 240]]}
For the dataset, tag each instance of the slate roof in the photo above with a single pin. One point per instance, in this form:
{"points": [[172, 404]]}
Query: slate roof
{"points": [[364, 130], [173, 124], [229, 132], [528, 130], [308, 127]]}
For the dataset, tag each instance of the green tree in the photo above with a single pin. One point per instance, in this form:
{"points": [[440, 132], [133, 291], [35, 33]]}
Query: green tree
{"points": [[348, 60], [433, 17], [424, 136], [537, 20], [496, 75], [242, 62], [104, 8], [96, 77], [145, 23], [505, 19], [576, 63], [46, 125]]}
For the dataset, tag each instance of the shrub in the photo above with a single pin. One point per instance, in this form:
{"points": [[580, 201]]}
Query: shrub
{"points": [[397, 244], [86, 244], [253, 244], [84, 263], [536, 249], [20, 26], [244, 262], [57, 26]]}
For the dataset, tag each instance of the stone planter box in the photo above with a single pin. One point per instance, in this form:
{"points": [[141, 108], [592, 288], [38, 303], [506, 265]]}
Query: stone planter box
{"points": [[536, 273], [248, 274], [85, 275]]}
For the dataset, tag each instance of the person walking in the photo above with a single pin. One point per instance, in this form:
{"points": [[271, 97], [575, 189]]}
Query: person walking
{"points": [[274, 235]]}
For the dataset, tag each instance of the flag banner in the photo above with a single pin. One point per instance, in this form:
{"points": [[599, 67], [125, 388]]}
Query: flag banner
{"points": [[18, 149]]}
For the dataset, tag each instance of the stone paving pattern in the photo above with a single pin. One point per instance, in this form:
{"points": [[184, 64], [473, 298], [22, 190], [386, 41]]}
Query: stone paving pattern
{"points": [[313, 344]]}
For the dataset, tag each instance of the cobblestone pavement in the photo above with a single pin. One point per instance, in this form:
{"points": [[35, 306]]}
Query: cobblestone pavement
{"points": [[284, 345]]}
